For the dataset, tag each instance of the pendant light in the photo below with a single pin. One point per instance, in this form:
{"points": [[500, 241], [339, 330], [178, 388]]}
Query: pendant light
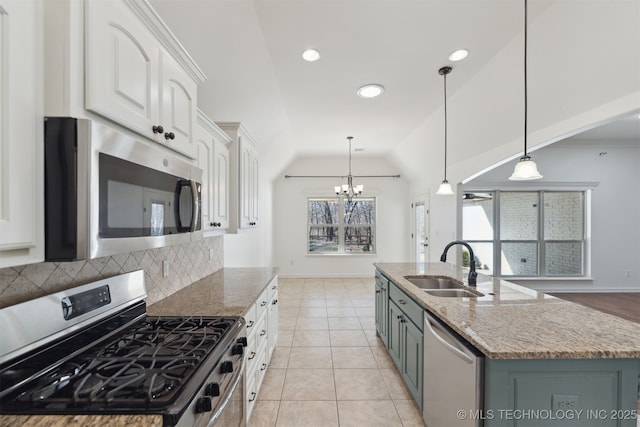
{"points": [[445, 188], [526, 168], [348, 190]]}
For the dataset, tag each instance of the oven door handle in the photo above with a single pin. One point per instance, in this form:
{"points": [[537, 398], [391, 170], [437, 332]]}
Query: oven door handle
{"points": [[226, 399]]}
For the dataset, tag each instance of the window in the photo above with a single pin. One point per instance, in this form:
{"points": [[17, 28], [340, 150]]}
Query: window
{"points": [[526, 233], [339, 226]]}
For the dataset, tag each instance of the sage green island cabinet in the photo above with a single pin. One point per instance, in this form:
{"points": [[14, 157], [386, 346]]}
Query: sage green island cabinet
{"points": [[547, 362]]}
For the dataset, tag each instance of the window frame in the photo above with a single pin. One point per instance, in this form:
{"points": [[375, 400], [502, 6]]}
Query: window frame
{"points": [[342, 226], [541, 242]]}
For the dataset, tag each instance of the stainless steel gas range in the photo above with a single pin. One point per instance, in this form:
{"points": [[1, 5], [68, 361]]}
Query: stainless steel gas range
{"points": [[93, 350]]}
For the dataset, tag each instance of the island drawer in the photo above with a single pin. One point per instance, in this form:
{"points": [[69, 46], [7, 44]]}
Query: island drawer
{"points": [[407, 305]]}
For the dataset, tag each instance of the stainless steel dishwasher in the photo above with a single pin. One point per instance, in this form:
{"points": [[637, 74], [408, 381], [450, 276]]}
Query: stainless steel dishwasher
{"points": [[453, 378]]}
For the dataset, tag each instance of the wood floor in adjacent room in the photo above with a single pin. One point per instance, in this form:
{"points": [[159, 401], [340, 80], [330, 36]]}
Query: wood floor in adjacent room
{"points": [[621, 304]]}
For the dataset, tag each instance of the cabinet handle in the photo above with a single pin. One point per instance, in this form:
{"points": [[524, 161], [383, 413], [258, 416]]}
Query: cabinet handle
{"points": [[263, 304], [250, 324], [264, 366], [262, 332], [157, 129], [215, 224], [253, 354], [169, 135], [274, 287], [377, 291], [401, 301], [399, 317], [253, 396], [275, 301]]}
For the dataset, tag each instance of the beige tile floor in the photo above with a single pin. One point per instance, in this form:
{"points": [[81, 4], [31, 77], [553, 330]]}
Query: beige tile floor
{"points": [[329, 368]]}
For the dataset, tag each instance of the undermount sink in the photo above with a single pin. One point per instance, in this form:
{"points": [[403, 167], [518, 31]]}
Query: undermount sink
{"points": [[443, 287], [427, 282]]}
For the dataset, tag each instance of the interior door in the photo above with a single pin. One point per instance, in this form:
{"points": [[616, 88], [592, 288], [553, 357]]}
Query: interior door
{"points": [[420, 233]]}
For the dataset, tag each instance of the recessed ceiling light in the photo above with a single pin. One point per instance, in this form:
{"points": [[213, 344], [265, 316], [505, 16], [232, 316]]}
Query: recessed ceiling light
{"points": [[311, 55], [458, 55], [370, 90]]}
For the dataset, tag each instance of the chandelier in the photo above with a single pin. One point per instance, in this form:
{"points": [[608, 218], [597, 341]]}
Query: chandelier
{"points": [[348, 190]]}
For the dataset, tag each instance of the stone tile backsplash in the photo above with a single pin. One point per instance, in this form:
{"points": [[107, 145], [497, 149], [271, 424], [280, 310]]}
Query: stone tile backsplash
{"points": [[188, 262]]}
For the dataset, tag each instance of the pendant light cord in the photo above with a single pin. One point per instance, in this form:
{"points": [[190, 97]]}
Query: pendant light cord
{"points": [[445, 126], [525, 78]]}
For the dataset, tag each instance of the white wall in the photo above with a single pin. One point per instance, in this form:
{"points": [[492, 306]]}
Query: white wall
{"points": [[393, 225], [583, 69], [253, 247], [615, 208]]}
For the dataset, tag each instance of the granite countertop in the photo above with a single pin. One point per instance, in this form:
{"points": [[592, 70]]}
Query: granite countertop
{"points": [[227, 292], [515, 322]]}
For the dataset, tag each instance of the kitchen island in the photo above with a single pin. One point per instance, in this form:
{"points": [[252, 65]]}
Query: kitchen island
{"points": [[540, 352]]}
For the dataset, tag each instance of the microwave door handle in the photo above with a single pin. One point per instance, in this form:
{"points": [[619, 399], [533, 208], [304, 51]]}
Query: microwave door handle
{"points": [[195, 211]]}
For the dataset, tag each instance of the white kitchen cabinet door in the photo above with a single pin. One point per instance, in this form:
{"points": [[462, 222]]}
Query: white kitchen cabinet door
{"points": [[204, 154], [132, 79], [249, 180], [179, 107], [21, 133], [221, 183], [122, 67], [212, 146]]}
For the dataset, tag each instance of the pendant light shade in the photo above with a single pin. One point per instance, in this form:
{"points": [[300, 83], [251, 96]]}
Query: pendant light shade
{"points": [[526, 169], [445, 188]]}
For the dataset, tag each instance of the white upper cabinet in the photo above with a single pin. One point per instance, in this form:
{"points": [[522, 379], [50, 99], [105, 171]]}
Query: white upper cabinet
{"points": [[21, 133], [133, 79], [213, 158], [244, 177]]}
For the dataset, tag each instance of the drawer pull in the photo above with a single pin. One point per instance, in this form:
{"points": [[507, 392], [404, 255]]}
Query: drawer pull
{"points": [[263, 304], [401, 301], [264, 366], [250, 324], [275, 301], [274, 287], [262, 332], [253, 354], [253, 396]]}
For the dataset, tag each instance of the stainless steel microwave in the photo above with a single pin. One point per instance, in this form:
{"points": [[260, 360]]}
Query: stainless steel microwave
{"points": [[108, 193]]}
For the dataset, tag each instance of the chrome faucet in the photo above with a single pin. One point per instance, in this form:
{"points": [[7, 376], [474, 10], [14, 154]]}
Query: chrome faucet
{"points": [[472, 260]]}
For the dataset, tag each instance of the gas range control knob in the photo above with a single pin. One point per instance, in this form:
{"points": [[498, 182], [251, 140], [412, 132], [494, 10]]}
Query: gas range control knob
{"points": [[242, 340], [237, 349], [203, 404], [212, 390], [226, 367]]}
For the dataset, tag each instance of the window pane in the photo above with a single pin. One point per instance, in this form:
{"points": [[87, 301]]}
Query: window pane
{"points": [[477, 216], [563, 216], [563, 258], [323, 211], [519, 259], [483, 253], [518, 216], [358, 239], [361, 211], [323, 239]]}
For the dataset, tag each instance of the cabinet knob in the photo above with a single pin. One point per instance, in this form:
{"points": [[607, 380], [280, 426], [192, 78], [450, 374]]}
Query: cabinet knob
{"points": [[169, 135], [253, 397], [157, 129]]}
